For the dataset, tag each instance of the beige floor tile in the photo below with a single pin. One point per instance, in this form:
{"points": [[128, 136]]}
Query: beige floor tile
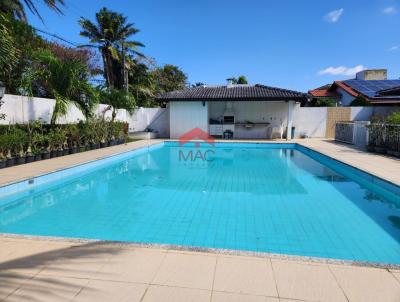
{"points": [[132, 265], [79, 262], [29, 256], [9, 282], [232, 297], [306, 282], [397, 275], [47, 289], [110, 291], [367, 284], [248, 276], [193, 271], [157, 293]]}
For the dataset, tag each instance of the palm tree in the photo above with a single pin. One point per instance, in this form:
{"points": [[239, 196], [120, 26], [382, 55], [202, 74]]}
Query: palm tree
{"points": [[64, 80], [17, 10], [110, 34]]}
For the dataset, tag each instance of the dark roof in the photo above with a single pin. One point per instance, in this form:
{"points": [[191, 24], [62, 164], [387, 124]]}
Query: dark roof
{"points": [[235, 92], [394, 91], [372, 88]]}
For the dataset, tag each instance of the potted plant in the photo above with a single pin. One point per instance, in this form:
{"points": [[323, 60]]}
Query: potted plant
{"points": [[53, 143], [9, 147], [3, 150], [21, 141], [38, 142], [73, 138]]}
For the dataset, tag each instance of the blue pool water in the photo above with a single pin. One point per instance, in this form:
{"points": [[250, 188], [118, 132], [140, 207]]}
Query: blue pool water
{"points": [[256, 197]]}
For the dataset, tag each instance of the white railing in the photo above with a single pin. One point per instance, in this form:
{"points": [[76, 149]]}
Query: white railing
{"points": [[355, 133]]}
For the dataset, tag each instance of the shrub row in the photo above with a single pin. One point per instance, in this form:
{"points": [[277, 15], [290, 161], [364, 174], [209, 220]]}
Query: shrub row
{"points": [[25, 143], [384, 138]]}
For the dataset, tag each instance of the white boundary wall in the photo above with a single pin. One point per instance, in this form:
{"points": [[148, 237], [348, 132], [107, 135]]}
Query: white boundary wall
{"points": [[22, 109], [310, 121]]}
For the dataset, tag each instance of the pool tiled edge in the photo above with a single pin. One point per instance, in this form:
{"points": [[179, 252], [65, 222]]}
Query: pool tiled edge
{"points": [[205, 250]]}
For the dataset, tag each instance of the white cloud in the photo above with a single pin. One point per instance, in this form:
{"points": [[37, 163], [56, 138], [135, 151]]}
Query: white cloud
{"points": [[342, 70], [334, 15], [390, 10], [394, 48]]}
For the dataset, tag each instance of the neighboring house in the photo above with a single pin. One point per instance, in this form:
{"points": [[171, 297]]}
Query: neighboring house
{"points": [[369, 84], [237, 111]]}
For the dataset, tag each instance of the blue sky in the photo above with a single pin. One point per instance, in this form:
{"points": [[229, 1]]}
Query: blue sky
{"points": [[287, 43]]}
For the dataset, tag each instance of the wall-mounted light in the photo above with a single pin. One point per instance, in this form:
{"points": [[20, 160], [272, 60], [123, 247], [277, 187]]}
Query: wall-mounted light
{"points": [[204, 103], [2, 90]]}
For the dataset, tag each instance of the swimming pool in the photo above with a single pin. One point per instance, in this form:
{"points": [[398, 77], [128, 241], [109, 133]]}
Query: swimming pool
{"points": [[274, 198]]}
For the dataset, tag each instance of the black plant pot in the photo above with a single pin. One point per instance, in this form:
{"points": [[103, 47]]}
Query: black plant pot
{"points": [[82, 149], [53, 153], [370, 148], [73, 150], [30, 158], [65, 151], [103, 145], [396, 153], [380, 150], [10, 162], [21, 160], [46, 155], [60, 152], [3, 163], [95, 146], [38, 157]]}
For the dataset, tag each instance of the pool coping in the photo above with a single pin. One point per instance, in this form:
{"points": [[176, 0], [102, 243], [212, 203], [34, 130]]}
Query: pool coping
{"points": [[305, 259], [214, 251]]}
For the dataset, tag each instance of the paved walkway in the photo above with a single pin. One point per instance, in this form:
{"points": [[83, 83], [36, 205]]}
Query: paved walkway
{"points": [[36, 270], [385, 167], [42, 270]]}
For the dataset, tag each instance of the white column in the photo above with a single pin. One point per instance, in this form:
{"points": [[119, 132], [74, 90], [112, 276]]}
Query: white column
{"points": [[291, 105]]}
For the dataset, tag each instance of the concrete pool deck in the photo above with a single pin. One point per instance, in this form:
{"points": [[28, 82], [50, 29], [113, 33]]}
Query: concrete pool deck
{"points": [[47, 270]]}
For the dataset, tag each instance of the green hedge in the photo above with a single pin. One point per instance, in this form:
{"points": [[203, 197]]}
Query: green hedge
{"points": [[37, 137]]}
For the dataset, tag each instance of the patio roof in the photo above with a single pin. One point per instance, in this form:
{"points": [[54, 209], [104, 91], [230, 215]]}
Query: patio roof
{"points": [[233, 93]]}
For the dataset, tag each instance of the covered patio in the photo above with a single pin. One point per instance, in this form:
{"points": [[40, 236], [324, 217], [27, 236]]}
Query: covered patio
{"points": [[233, 111]]}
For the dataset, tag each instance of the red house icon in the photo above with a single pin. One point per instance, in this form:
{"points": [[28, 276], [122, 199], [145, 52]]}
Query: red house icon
{"points": [[197, 135]]}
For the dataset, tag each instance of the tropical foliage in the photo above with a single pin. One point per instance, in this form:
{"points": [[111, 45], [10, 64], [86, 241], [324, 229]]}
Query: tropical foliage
{"points": [[44, 141], [169, 78], [16, 8], [33, 66], [110, 34], [64, 80]]}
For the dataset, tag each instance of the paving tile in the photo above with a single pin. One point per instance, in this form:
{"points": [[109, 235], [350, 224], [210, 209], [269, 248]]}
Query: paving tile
{"points": [[157, 293], [306, 282], [232, 297], [192, 271], [9, 282], [367, 284], [47, 289], [397, 275], [29, 256], [111, 291], [132, 265], [245, 275], [79, 262]]}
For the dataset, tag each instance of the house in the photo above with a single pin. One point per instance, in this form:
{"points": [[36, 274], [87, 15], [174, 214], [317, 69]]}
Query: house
{"points": [[233, 111], [372, 85]]}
